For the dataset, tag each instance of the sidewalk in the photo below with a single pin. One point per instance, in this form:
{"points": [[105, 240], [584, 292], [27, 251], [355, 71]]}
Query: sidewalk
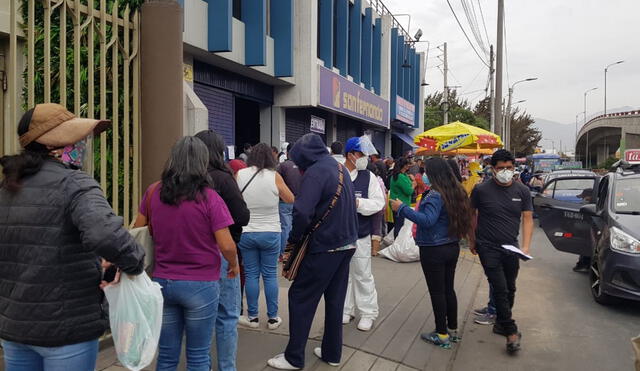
{"points": [[393, 344]]}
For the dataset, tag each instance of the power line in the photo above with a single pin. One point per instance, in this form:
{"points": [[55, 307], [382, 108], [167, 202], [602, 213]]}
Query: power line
{"points": [[473, 25], [465, 35], [483, 23]]}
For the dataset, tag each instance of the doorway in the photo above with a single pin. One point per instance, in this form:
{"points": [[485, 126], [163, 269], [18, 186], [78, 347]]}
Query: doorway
{"points": [[247, 123]]}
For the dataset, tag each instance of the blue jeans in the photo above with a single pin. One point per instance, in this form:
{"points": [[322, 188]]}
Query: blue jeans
{"points": [[21, 357], [260, 252], [227, 320], [286, 217], [191, 307]]}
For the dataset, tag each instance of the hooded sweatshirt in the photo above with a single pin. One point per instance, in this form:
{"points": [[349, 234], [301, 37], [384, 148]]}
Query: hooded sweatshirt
{"points": [[317, 188]]}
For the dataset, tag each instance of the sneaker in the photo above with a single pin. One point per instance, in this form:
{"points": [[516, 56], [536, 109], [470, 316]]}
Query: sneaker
{"points": [[281, 363], [514, 346], [346, 319], [486, 319], [274, 323], [481, 311], [498, 329], [249, 322], [365, 324], [318, 352], [437, 339], [453, 336], [579, 268]]}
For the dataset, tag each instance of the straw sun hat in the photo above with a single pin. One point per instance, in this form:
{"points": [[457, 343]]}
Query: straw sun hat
{"points": [[52, 125]]}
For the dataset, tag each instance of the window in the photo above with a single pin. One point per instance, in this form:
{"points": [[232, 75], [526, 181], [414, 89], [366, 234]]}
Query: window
{"points": [[627, 193], [237, 9], [603, 189], [574, 190]]}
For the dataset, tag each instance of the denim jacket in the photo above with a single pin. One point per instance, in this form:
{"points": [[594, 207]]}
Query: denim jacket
{"points": [[431, 220]]}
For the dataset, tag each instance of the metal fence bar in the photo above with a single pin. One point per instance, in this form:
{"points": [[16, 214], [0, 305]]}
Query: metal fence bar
{"points": [[47, 51], [103, 93], [62, 73], [136, 114], [77, 29], [115, 136], [13, 80], [90, 74], [126, 116], [30, 49]]}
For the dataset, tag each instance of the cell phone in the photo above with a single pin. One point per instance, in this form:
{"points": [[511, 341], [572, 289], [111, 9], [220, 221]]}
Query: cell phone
{"points": [[110, 274]]}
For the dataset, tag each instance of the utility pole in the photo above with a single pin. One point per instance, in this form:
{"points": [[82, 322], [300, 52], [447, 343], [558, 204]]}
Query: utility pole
{"points": [[499, 52], [446, 87], [492, 94], [507, 128]]}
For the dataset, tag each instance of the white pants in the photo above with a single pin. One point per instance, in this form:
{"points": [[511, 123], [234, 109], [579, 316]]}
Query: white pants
{"points": [[361, 289]]}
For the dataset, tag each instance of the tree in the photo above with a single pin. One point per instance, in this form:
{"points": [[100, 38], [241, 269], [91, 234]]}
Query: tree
{"points": [[524, 136], [459, 110]]}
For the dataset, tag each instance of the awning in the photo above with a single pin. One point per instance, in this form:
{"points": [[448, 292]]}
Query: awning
{"points": [[405, 138]]}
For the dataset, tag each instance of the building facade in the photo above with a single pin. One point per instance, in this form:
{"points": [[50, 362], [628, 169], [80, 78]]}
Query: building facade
{"points": [[273, 70]]}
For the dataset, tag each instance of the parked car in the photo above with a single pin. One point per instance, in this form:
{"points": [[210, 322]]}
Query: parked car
{"points": [[604, 226], [558, 173]]}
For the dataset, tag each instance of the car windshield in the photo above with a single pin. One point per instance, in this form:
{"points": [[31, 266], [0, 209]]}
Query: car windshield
{"points": [[574, 190], [627, 196]]}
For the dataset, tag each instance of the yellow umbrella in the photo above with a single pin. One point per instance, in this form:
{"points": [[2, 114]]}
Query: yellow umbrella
{"points": [[462, 151], [458, 135]]}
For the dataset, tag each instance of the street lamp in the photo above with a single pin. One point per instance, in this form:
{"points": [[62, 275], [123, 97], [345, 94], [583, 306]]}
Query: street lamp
{"points": [[576, 140], [605, 83], [507, 136], [585, 122]]}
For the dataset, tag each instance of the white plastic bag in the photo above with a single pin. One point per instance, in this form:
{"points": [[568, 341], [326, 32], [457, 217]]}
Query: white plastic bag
{"points": [[404, 248], [135, 315]]}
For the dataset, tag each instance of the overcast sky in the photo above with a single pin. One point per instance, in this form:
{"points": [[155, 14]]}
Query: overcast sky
{"points": [[566, 44]]}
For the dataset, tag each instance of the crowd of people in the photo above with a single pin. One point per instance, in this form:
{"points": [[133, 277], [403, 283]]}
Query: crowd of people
{"points": [[219, 227]]}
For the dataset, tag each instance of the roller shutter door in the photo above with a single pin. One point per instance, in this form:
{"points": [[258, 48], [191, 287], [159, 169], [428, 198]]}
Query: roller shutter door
{"points": [[220, 105]]}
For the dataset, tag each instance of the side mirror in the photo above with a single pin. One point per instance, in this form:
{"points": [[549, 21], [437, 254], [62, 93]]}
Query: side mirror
{"points": [[590, 210]]}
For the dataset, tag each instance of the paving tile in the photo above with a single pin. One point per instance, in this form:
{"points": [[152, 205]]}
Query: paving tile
{"points": [[360, 361]]}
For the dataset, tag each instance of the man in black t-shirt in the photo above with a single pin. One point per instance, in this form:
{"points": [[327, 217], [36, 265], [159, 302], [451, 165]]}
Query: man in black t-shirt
{"points": [[501, 204]]}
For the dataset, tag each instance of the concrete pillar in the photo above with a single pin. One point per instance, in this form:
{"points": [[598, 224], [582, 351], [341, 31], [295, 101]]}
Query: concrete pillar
{"points": [[161, 58]]}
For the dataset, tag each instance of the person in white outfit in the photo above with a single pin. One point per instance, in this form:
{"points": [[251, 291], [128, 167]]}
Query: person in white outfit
{"points": [[361, 289]]}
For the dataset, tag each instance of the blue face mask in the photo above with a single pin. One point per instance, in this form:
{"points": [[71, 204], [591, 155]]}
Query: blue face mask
{"points": [[425, 179]]}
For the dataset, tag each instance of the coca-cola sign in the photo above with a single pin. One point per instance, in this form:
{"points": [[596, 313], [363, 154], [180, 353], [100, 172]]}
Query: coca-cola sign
{"points": [[632, 156]]}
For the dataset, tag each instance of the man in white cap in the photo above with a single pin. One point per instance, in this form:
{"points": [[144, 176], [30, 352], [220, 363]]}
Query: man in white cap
{"points": [[361, 290]]}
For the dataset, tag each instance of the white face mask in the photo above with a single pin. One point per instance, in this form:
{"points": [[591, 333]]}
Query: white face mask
{"points": [[360, 163], [505, 176]]}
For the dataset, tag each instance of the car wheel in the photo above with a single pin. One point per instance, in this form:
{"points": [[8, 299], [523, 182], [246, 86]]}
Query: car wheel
{"points": [[596, 288]]}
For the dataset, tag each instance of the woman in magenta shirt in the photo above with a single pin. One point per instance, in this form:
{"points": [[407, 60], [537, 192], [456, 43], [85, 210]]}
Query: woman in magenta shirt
{"points": [[190, 224]]}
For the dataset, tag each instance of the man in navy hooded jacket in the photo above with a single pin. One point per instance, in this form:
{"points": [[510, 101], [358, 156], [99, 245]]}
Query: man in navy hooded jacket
{"points": [[325, 268]]}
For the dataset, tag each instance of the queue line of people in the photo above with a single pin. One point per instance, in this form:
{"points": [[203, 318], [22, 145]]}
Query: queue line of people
{"points": [[207, 216]]}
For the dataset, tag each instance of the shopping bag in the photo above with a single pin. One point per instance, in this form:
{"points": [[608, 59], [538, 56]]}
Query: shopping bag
{"points": [[135, 316], [142, 235], [636, 347], [404, 248]]}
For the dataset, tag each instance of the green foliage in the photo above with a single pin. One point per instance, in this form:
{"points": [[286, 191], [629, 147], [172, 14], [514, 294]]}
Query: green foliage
{"points": [[459, 110], [39, 83], [524, 136], [608, 163]]}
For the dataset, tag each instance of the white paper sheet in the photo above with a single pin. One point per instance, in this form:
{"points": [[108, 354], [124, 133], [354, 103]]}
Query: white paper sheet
{"points": [[518, 251]]}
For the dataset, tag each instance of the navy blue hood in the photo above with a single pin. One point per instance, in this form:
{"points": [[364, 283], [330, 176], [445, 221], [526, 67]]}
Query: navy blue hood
{"points": [[308, 150]]}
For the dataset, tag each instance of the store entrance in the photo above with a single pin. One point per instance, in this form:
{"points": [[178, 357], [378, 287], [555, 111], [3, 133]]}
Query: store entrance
{"points": [[247, 123]]}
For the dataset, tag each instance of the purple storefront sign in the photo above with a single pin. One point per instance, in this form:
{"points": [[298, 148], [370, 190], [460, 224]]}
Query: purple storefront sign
{"points": [[405, 111], [343, 96]]}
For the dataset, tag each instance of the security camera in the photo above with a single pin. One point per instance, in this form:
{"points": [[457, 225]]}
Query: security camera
{"points": [[418, 35]]}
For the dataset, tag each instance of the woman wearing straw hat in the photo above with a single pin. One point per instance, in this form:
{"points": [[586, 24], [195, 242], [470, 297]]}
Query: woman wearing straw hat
{"points": [[55, 224]]}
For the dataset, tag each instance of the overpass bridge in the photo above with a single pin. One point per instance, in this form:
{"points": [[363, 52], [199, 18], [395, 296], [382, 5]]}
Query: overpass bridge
{"points": [[601, 137]]}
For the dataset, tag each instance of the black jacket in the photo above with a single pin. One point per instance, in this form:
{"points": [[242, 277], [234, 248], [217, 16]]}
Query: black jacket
{"points": [[318, 186], [227, 188], [52, 233]]}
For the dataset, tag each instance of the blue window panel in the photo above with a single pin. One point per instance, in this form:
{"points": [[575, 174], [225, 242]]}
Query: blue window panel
{"points": [[417, 66], [219, 16], [367, 45], [355, 40], [342, 30], [254, 17], [400, 56], [376, 56], [393, 89], [325, 37], [412, 78], [282, 33]]}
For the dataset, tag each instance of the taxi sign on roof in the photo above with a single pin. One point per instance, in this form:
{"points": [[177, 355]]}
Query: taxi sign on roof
{"points": [[632, 156]]}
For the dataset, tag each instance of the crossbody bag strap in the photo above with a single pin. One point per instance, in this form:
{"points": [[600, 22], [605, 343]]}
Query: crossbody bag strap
{"points": [[334, 201], [148, 206], [250, 180]]}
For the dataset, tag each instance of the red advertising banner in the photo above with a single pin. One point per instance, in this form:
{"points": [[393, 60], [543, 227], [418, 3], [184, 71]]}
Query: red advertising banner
{"points": [[632, 156]]}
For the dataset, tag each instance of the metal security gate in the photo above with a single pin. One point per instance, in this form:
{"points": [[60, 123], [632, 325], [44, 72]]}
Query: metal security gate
{"points": [[220, 105], [84, 54]]}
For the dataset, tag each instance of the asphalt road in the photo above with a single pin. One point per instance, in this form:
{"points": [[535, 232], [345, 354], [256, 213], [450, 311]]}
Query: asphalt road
{"points": [[563, 328]]}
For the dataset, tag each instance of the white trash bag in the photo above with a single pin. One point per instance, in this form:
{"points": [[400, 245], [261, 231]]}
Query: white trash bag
{"points": [[404, 248], [135, 315]]}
